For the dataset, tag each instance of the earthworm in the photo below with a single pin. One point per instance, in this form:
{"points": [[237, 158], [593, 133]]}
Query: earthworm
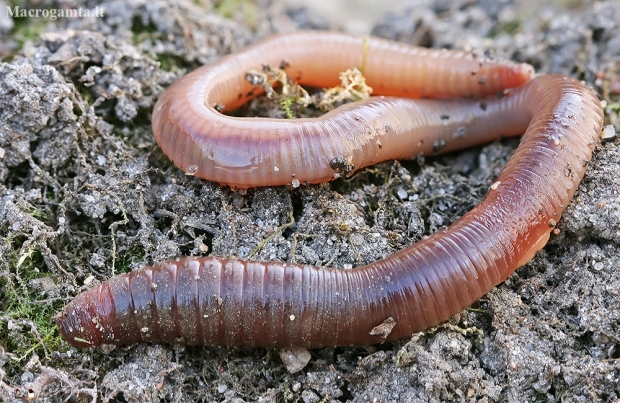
{"points": [[248, 152], [215, 301]]}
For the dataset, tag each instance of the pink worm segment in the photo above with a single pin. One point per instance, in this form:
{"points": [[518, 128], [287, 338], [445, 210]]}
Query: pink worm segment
{"points": [[217, 301], [249, 152]]}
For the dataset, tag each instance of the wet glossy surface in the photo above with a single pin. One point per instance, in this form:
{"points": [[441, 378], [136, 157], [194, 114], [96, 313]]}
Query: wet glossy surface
{"points": [[276, 304], [247, 152]]}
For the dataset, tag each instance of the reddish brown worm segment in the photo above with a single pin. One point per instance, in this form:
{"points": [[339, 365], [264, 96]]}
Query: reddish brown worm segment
{"points": [[216, 301]]}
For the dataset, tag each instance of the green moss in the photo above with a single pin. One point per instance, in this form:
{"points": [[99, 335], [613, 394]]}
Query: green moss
{"points": [[26, 29], [87, 96], [175, 64], [247, 9], [141, 30], [508, 27], [126, 260], [286, 104], [149, 32], [21, 303], [35, 212], [615, 107], [167, 63]]}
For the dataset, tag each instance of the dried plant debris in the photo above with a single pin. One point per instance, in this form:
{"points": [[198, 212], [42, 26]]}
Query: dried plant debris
{"points": [[85, 194], [295, 101]]}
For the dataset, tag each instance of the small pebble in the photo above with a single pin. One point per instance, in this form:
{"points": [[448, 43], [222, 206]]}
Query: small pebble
{"points": [[27, 377], [609, 132], [191, 170], [402, 193], [295, 359], [309, 396]]}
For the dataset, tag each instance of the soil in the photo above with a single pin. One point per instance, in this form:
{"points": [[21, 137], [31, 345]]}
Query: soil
{"points": [[85, 193]]}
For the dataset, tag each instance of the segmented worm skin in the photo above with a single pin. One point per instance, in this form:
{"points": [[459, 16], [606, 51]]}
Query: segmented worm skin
{"points": [[248, 152], [216, 301]]}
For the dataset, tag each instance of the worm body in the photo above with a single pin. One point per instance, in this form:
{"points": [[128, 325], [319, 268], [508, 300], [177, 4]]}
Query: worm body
{"points": [[248, 152], [275, 304]]}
